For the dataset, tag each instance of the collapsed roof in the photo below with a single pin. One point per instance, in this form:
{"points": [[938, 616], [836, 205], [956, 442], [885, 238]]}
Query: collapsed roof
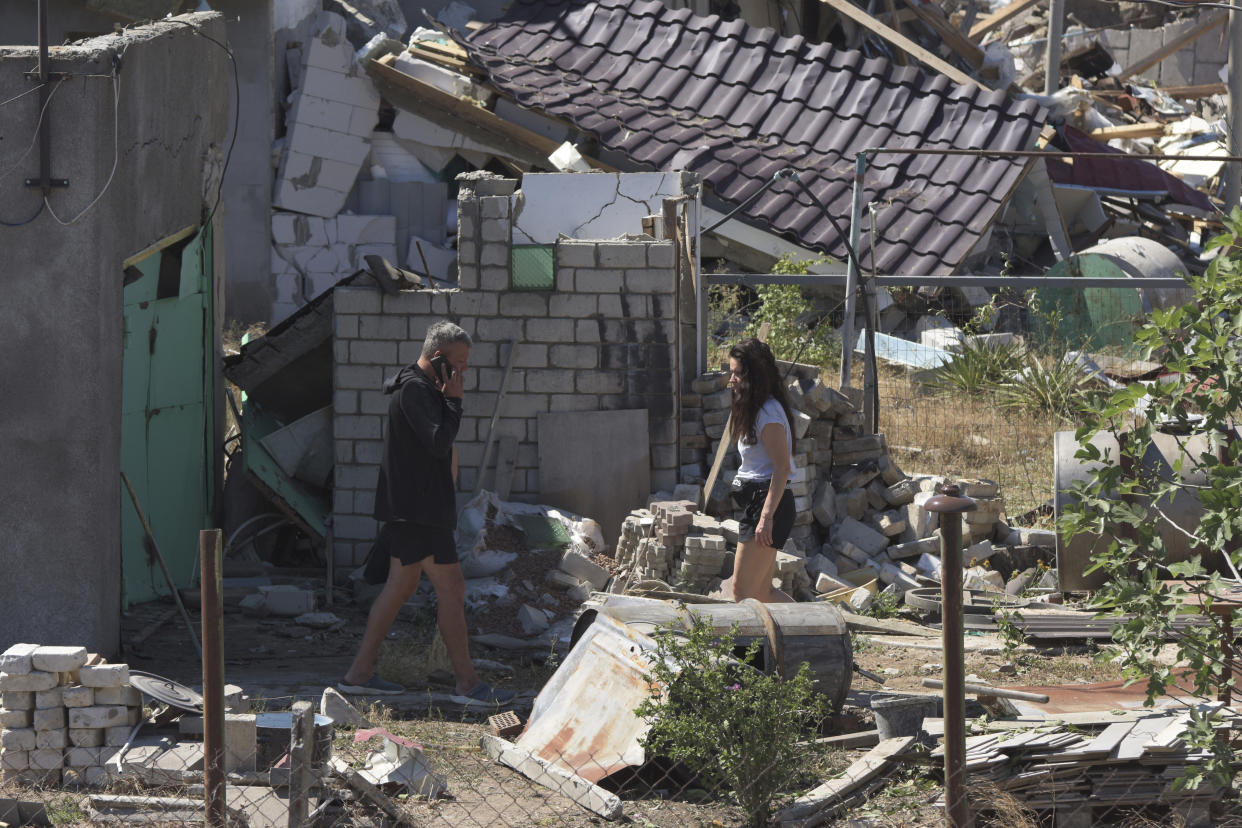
{"points": [[737, 104]]}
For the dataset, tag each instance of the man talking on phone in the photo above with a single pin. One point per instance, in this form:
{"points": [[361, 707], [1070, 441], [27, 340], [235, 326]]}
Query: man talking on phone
{"points": [[416, 501]]}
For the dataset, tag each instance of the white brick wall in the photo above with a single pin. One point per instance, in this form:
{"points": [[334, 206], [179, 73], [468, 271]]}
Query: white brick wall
{"points": [[561, 363]]}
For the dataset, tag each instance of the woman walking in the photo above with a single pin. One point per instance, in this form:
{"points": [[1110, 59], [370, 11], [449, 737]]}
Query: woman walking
{"points": [[763, 423]]}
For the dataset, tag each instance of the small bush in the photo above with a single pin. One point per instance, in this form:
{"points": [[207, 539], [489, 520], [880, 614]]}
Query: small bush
{"points": [[977, 367], [1055, 386], [727, 722]]}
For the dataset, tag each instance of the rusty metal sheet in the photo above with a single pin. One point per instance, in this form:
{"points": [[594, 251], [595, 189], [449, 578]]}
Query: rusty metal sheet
{"points": [[583, 719], [1105, 695]]}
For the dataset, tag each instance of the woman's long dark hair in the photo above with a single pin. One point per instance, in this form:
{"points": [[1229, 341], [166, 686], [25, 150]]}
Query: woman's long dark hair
{"points": [[759, 380]]}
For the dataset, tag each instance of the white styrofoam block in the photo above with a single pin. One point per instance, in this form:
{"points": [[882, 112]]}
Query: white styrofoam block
{"points": [[311, 171], [445, 80], [328, 144], [440, 261], [366, 229], [312, 111]]}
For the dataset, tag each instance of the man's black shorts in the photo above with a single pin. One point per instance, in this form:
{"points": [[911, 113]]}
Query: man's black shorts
{"points": [[408, 543], [750, 495]]}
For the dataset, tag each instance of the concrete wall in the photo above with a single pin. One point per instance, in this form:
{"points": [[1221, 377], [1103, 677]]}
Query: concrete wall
{"points": [[603, 339], [247, 199], [60, 319]]}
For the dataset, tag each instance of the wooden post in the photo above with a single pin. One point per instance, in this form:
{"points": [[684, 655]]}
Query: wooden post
{"points": [[301, 755], [210, 553]]}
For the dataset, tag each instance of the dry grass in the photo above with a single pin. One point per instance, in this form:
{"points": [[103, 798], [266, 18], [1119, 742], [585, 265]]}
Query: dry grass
{"points": [[969, 436]]}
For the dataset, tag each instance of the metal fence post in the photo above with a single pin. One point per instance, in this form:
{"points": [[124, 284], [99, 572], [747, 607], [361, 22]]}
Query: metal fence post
{"points": [[851, 271], [213, 678], [301, 756], [950, 505]]}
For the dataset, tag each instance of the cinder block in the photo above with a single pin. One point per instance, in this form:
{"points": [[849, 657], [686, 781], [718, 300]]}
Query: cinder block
{"points": [[312, 110], [51, 739], [89, 736], [584, 569], [11, 760], [17, 700], [54, 697], [51, 718], [239, 742], [116, 736], [86, 757], [98, 716], [860, 535], [289, 601], [58, 659], [32, 681], [18, 739], [16, 660], [105, 675], [46, 759], [622, 255], [15, 719], [598, 281], [575, 254], [78, 696], [125, 694], [660, 254]]}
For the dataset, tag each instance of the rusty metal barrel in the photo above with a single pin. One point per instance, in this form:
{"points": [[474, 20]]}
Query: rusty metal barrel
{"points": [[812, 632]]}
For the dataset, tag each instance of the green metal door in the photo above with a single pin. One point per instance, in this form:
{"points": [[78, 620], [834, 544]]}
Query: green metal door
{"points": [[166, 416]]}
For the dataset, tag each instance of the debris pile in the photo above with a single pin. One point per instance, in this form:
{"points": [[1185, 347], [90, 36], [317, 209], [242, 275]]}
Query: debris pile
{"points": [[65, 713], [861, 524]]}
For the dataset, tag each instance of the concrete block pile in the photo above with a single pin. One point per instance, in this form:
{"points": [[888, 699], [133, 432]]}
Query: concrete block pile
{"points": [[63, 714], [672, 542], [861, 520]]}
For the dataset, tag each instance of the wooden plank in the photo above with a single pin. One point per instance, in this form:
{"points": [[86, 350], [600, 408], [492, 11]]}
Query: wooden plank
{"points": [[1155, 57], [1133, 745], [855, 776], [542, 772], [863, 738], [848, 10], [506, 456], [1143, 130], [955, 40], [999, 18], [507, 134], [893, 626]]}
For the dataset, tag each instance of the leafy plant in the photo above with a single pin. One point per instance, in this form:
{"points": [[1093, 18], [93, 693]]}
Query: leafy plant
{"points": [[798, 333], [1055, 386], [977, 366], [1123, 501], [884, 605], [729, 723]]}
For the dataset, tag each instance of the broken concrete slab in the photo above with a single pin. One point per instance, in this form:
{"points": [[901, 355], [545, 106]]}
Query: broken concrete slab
{"points": [[860, 535], [337, 708]]}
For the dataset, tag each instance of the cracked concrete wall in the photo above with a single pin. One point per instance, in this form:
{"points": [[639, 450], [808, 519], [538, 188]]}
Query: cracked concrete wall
{"points": [[61, 318], [603, 339]]}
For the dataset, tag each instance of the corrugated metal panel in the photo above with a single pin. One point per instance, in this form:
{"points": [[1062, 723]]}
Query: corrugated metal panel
{"points": [[735, 104]]}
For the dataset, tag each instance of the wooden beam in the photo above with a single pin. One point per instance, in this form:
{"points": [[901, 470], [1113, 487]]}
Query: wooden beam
{"points": [[871, 765], [1143, 130], [1202, 90], [955, 40], [1189, 36], [999, 18], [527, 145], [848, 10]]}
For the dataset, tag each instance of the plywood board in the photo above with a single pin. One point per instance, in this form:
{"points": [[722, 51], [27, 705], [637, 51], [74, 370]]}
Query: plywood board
{"points": [[595, 463]]}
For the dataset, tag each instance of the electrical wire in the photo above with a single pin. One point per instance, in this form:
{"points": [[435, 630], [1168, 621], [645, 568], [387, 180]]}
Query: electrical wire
{"points": [[23, 94], [34, 139], [116, 154], [228, 155], [37, 213]]}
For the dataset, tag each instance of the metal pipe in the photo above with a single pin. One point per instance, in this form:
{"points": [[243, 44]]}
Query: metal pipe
{"points": [[1233, 173], [949, 505], [851, 271], [987, 690], [210, 553], [45, 133], [947, 281], [1052, 53]]}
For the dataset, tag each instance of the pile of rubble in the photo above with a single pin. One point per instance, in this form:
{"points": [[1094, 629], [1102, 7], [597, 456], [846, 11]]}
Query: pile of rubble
{"points": [[65, 713], [861, 525]]}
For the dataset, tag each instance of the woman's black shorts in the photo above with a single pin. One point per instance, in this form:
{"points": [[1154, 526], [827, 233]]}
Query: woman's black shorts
{"points": [[750, 495], [408, 543]]}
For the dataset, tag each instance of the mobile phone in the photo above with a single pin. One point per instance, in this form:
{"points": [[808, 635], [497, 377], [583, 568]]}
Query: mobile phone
{"points": [[440, 364]]}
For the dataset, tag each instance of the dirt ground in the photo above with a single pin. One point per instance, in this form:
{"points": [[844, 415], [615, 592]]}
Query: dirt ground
{"points": [[276, 662]]}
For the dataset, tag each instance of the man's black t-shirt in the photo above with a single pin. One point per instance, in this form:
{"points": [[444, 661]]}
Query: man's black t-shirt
{"points": [[416, 473]]}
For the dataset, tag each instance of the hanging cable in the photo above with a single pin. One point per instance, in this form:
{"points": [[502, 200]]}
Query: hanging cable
{"points": [[116, 153], [34, 138], [228, 154], [37, 213], [23, 94]]}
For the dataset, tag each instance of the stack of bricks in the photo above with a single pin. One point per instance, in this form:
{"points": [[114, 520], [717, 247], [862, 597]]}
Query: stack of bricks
{"points": [[65, 713], [703, 563], [860, 517], [673, 543]]}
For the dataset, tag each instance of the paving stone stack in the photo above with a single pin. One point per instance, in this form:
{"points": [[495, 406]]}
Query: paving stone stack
{"points": [[674, 543], [64, 713], [860, 518]]}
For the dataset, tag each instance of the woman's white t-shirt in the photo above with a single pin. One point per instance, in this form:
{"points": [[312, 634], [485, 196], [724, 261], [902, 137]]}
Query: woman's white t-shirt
{"points": [[756, 465]]}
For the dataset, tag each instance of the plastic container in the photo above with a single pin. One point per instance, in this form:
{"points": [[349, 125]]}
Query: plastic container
{"points": [[902, 715]]}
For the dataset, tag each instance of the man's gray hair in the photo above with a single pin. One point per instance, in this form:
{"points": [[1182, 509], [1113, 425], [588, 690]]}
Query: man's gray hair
{"points": [[442, 335]]}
